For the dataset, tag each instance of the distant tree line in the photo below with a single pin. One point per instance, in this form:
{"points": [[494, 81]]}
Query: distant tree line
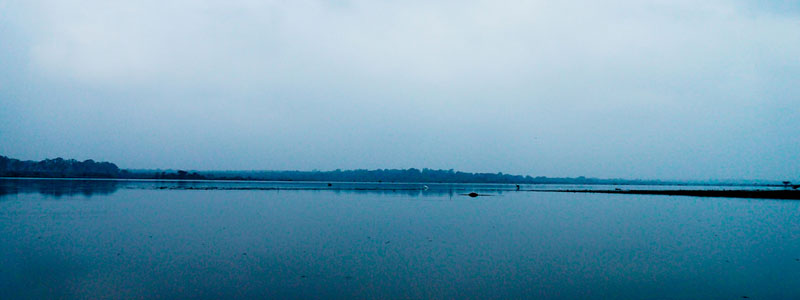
{"points": [[58, 168], [70, 168], [179, 174], [406, 175]]}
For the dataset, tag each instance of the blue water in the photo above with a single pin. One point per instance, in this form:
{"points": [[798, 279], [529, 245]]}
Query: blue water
{"points": [[66, 239]]}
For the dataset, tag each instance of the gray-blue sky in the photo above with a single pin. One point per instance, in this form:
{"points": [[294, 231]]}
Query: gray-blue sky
{"points": [[636, 89]]}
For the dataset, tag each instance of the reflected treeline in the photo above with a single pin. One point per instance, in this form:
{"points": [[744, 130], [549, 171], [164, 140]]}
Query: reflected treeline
{"points": [[400, 192], [404, 189], [419, 193], [338, 190], [58, 188]]}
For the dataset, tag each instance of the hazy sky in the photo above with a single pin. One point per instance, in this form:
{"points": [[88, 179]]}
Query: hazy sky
{"points": [[637, 89]]}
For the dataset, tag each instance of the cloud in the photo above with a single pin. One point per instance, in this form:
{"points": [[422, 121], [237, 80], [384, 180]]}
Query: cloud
{"points": [[638, 85]]}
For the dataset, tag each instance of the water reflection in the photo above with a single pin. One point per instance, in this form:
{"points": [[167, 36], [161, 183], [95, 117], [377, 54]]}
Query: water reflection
{"points": [[261, 240], [58, 188]]}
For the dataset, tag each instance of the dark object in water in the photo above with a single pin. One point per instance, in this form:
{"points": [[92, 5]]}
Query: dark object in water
{"points": [[518, 187], [473, 194], [329, 184]]}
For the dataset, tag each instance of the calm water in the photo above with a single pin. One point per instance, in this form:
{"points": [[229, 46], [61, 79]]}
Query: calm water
{"points": [[204, 240]]}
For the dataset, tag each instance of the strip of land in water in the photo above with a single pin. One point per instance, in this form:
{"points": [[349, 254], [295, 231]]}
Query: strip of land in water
{"points": [[756, 194]]}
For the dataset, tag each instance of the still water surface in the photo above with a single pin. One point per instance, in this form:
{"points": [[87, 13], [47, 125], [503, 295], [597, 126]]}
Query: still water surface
{"points": [[204, 240]]}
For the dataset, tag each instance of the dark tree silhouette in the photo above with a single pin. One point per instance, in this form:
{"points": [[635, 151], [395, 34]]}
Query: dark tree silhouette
{"points": [[57, 167], [62, 168]]}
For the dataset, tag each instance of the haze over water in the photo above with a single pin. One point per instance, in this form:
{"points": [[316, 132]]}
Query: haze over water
{"points": [[121, 239], [630, 89]]}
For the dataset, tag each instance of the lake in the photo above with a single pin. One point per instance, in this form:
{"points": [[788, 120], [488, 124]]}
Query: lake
{"points": [[80, 239]]}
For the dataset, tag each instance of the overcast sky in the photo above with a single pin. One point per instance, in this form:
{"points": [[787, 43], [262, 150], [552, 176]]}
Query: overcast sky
{"points": [[666, 89]]}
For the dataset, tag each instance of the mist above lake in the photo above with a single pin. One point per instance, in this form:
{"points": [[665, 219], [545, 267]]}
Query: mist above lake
{"points": [[613, 89]]}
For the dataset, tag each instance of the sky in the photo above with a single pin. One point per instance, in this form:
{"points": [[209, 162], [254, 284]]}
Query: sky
{"points": [[613, 89]]}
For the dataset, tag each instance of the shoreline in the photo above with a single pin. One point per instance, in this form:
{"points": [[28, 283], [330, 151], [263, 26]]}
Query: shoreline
{"points": [[753, 194], [688, 184]]}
